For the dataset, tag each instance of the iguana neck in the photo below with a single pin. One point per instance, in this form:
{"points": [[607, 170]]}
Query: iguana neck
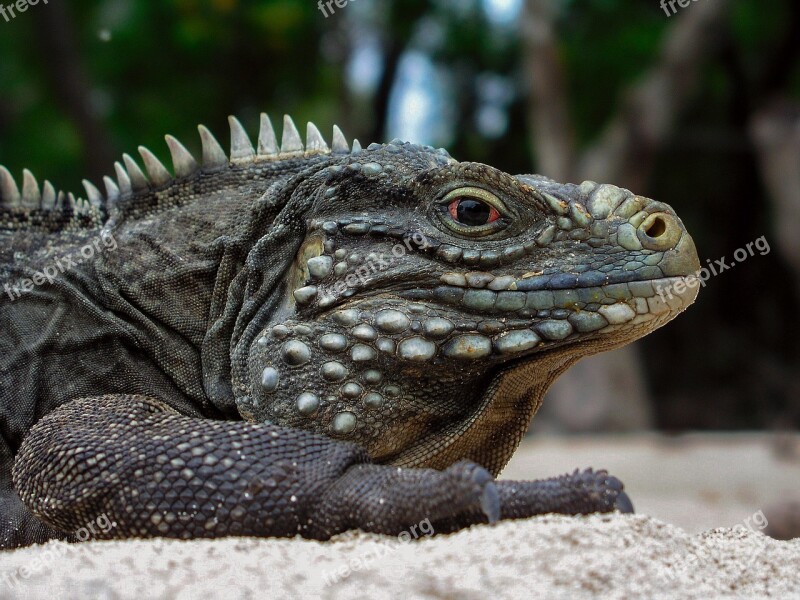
{"points": [[223, 218]]}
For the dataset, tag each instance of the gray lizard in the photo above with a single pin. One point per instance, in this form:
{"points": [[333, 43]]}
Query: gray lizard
{"points": [[299, 339]]}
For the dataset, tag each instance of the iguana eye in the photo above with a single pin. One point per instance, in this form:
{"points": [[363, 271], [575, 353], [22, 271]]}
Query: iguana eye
{"points": [[472, 211]]}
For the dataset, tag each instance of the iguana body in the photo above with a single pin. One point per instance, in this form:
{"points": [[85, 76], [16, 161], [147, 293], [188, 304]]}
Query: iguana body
{"points": [[303, 340]]}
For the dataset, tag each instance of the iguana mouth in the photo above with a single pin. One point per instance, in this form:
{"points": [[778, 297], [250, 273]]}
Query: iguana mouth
{"points": [[467, 324], [481, 293]]}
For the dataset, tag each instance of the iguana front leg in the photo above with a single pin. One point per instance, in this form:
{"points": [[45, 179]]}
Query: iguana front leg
{"points": [[153, 472]]}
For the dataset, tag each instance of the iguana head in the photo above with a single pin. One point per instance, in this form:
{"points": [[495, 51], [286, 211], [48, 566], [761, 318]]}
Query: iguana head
{"points": [[432, 302]]}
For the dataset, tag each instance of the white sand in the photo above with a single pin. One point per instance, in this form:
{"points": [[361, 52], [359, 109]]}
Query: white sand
{"points": [[608, 556]]}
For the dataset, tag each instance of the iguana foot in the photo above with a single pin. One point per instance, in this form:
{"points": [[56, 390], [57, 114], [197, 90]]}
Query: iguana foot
{"points": [[581, 492]]}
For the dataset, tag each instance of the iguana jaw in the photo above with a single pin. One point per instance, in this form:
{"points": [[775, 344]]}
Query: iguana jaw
{"points": [[431, 376]]}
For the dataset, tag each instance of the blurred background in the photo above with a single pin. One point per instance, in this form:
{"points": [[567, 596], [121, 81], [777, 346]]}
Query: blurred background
{"points": [[698, 107]]}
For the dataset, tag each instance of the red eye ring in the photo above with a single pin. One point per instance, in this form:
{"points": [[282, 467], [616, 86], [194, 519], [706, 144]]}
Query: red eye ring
{"points": [[453, 209]]}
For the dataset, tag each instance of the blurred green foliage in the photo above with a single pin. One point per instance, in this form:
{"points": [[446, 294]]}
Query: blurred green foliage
{"points": [[158, 67]]}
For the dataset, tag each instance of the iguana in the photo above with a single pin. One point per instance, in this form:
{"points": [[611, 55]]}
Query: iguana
{"points": [[304, 339]]}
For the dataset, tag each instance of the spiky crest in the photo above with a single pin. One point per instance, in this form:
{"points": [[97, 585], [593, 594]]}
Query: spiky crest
{"points": [[131, 179]]}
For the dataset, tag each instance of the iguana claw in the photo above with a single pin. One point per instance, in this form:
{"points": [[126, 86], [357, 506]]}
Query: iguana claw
{"points": [[624, 504]]}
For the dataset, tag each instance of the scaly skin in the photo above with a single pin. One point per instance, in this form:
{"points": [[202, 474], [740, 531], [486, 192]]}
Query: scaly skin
{"points": [[305, 340]]}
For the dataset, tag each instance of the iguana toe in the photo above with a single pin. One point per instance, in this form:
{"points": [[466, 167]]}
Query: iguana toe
{"points": [[613, 488]]}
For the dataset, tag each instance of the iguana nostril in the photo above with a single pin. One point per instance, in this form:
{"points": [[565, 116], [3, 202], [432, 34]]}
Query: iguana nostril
{"points": [[657, 228], [659, 231]]}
